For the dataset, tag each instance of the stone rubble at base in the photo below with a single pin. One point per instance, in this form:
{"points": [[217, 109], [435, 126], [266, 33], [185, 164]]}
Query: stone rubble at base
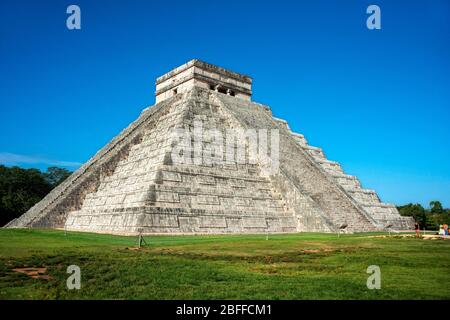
{"points": [[132, 186]]}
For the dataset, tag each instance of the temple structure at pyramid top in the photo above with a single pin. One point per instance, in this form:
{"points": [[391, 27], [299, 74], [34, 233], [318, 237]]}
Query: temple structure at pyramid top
{"points": [[197, 73], [151, 179]]}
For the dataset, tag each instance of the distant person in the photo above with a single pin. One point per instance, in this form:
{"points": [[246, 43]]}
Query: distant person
{"points": [[417, 228], [441, 230], [445, 230]]}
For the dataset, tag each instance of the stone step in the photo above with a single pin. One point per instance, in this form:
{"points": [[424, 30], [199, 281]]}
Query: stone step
{"points": [[331, 167], [316, 152], [299, 138], [347, 181], [283, 122]]}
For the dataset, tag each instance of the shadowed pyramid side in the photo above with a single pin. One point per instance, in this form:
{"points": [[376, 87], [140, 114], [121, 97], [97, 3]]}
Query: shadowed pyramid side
{"points": [[301, 179], [306, 173]]}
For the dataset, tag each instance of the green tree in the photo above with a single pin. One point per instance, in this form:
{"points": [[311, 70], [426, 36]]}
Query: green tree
{"points": [[436, 207], [416, 211], [55, 175], [438, 215], [21, 188]]}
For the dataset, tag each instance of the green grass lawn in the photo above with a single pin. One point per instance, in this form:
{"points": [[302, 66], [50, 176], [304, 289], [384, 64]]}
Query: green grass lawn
{"points": [[295, 266]]}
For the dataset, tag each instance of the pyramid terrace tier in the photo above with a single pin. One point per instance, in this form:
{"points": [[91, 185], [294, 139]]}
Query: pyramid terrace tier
{"points": [[196, 73]]}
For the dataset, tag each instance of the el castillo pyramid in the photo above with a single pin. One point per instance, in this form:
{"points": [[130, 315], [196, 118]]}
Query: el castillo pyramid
{"points": [[134, 185]]}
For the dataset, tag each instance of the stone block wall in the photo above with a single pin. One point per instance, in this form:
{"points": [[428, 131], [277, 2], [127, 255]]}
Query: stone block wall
{"points": [[372, 212]]}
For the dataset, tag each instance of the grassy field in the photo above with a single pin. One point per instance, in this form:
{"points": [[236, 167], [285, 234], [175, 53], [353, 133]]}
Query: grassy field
{"points": [[295, 266]]}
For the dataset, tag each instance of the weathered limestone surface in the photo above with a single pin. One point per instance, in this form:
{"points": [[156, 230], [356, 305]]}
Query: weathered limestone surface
{"points": [[384, 214], [381, 214], [132, 185]]}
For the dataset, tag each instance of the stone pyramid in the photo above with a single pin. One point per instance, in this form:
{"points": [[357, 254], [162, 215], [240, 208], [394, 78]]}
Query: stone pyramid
{"points": [[134, 185]]}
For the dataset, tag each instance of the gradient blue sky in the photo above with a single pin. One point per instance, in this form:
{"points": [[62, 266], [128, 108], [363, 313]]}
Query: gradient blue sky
{"points": [[376, 101]]}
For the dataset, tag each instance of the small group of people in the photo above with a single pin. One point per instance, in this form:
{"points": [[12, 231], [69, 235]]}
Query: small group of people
{"points": [[443, 230]]}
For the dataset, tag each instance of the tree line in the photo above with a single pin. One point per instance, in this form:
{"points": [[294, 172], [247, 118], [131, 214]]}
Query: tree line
{"points": [[21, 188], [428, 218]]}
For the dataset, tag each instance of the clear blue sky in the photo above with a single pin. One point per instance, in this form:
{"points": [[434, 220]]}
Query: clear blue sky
{"points": [[376, 101]]}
